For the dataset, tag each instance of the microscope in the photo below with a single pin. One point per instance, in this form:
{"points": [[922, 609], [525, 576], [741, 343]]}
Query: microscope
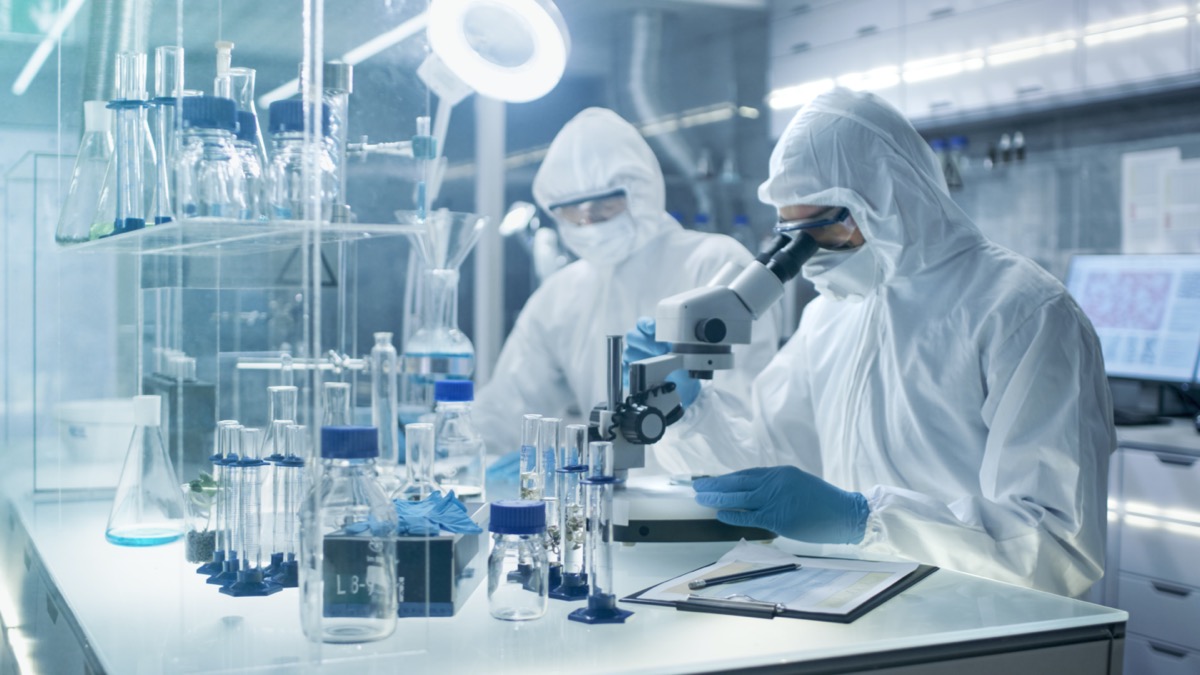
{"points": [[701, 325]]}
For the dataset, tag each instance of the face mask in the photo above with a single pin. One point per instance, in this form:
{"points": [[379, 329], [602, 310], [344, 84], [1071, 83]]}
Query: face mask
{"points": [[606, 243], [844, 275]]}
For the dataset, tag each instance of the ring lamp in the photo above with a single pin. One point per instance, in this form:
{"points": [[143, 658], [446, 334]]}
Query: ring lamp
{"points": [[509, 50]]}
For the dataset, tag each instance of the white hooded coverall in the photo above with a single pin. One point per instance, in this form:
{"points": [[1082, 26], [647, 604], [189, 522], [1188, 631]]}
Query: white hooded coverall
{"points": [[955, 384], [555, 358]]}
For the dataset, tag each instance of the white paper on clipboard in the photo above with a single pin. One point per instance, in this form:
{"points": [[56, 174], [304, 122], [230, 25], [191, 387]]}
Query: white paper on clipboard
{"points": [[1142, 208]]}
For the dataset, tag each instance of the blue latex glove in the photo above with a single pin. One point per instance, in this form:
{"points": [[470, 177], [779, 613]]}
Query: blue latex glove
{"points": [[788, 502], [434, 514], [640, 344], [505, 469]]}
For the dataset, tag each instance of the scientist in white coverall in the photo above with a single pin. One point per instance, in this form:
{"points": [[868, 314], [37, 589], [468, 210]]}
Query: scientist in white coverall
{"points": [[944, 399], [604, 187]]}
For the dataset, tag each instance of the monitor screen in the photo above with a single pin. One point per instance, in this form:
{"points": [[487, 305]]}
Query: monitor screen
{"points": [[1146, 311]]}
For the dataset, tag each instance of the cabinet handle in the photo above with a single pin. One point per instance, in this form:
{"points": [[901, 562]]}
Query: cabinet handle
{"points": [[1170, 590], [940, 104], [867, 30], [800, 47], [1175, 460], [1169, 651], [1025, 91], [802, 8], [941, 12]]}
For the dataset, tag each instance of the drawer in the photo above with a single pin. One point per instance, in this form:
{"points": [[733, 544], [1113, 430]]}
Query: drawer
{"points": [[916, 11], [1160, 484], [1160, 549], [1165, 611], [804, 28], [1144, 656]]}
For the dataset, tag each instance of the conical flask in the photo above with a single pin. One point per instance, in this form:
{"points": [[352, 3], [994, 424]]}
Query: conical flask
{"points": [[87, 178], [148, 509]]}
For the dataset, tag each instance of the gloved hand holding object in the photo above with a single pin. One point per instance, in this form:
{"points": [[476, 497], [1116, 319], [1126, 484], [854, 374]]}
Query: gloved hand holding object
{"points": [[788, 501], [640, 344]]}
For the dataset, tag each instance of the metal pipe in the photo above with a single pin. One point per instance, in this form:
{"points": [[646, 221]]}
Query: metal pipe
{"points": [[616, 348]]}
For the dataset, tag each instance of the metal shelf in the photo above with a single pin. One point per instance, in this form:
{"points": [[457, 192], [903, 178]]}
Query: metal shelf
{"points": [[220, 236]]}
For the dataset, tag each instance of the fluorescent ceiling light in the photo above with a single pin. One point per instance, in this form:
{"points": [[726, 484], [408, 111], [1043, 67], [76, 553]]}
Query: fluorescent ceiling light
{"points": [[541, 31], [797, 95], [25, 77], [871, 80], [1014, 55], [1137, 19], [355, 56], [954, 64], [1134, 31]]}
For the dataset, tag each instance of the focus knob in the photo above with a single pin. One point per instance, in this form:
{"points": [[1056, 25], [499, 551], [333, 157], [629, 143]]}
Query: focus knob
{"points": [[710, 330], [641, 424]]}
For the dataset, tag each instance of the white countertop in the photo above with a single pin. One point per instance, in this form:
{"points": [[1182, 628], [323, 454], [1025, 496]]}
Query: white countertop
{"points": [[146, 611], [1178, 436]]}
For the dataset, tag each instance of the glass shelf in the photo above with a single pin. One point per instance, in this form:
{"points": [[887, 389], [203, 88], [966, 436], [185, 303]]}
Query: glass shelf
{"points": [[220, 236]]}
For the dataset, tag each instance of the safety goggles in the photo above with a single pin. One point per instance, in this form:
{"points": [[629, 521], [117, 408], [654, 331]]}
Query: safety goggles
{"points": [[827, 227], [591, 210]]}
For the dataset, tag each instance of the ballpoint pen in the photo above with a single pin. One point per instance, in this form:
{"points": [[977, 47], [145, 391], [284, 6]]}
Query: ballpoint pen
{"points": [[697, 584]]}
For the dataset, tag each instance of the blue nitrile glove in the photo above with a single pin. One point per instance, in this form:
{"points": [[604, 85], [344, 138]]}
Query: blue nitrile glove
{"points": [[505, 469], [436, 513], [788, 502], [640, 344]]}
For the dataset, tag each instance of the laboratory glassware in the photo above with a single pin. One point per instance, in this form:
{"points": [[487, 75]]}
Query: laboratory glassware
{"points": [[88, 175], [286, 193], [356, 524], [598, 499], [220, 449], [289, 473], [550, 439], [208, 170], [134, 156], [337, 81], [253, 190], [384, 415], [437, 349], [460, 448], [229, 442], [530, 458], [164, 107], [237, 84], [276, 445], [251, 580], [148, 507], [571, 518], [336, 405], [517, 567], [418, 463]]}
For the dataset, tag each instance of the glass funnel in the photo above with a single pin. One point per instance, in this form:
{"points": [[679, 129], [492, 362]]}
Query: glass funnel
{"points": [[148, 508], [437, 350]]}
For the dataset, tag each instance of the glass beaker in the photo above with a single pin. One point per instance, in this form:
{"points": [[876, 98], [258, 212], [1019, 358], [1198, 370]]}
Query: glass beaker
{"points": [[148, 508], [418, 463], [88, 176]]}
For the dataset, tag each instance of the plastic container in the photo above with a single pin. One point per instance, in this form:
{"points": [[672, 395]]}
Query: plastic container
{"points": [[518, 573]]}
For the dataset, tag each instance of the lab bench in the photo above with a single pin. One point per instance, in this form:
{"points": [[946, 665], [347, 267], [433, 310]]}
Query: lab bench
{"points": [[84, 605], [1154, 543]]}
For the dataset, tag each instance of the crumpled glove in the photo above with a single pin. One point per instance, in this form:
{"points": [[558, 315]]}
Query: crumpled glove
{"points": [[433, 515], [787, 501], [640, 344]]}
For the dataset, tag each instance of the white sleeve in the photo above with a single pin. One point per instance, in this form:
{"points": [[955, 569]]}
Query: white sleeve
{"points": [[1040, 517], [528, 378]]}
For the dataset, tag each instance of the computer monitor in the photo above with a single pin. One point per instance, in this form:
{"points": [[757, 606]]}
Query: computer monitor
{"points": [[1146, 311]]}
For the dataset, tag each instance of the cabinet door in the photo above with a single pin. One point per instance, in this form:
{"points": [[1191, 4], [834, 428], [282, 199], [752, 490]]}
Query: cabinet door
{"points": [[994, 56], [1161, 550], [916, 11], [1147, 656], [1129, 41], [1160, 484], [803, 28], [1164, 610]]}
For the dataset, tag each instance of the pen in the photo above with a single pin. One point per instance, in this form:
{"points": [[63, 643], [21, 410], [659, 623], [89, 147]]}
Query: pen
{"points": [[697, 584]]}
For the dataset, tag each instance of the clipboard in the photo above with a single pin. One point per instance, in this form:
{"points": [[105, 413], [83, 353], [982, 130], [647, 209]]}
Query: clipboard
{"points": [[763, 610]]}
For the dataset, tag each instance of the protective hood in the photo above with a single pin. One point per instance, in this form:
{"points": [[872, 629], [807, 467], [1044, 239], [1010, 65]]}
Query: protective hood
{"points": [[598, 152], [853, 149]]}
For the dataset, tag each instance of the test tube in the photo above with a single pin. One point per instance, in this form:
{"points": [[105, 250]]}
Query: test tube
{"points": [[291, 477], [571, 470], [598, 496], [168, 91], [531, 458], [550, 438], [218, 459], [418, 450], [131, 142], [276, 445], [336, 405], [384, 410], [229, 439], [250, 579]]}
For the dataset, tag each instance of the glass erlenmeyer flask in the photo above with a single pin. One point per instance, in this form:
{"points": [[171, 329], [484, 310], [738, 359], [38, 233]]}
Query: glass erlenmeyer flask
{"points": [[148, 508], [87, 178], [238, 84]]}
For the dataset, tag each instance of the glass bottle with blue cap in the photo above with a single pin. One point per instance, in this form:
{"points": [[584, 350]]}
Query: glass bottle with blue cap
{"points": [[518, 573], [354, 598], [458, 464], [208, 172]]}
